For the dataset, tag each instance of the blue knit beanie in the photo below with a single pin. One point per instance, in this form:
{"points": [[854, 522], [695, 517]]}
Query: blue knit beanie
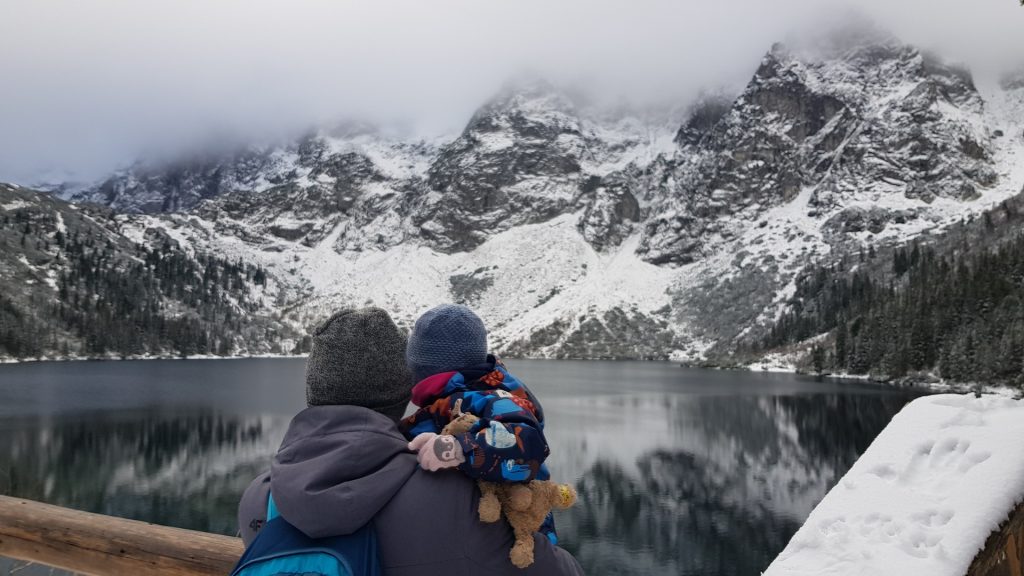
{"points": [[446, 338]]}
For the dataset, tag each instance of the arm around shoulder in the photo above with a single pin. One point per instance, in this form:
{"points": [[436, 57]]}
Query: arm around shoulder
{"points": [[550, 559], [488, 546]]}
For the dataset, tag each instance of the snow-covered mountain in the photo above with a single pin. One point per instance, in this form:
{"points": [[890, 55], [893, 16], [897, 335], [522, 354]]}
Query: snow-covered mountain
{"points": [[832, 147], [580, 232]]}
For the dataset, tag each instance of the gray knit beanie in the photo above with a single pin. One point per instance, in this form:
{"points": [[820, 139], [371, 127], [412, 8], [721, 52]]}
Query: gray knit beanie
{"points": [[358, 360], [446, 338]]}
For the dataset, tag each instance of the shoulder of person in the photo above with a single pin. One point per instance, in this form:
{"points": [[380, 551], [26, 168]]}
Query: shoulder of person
{"points": [[252, 509]]}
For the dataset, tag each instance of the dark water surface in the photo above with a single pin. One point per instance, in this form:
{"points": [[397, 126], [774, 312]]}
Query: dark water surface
{"points": [[679, 471]]}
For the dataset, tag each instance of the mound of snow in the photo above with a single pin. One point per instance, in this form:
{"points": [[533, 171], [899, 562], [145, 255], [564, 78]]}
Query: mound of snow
{"points": [[923, 498]]}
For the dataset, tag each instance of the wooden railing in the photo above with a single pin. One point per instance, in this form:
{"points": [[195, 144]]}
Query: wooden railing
{"points": [[1003, 554], [100, 545]]}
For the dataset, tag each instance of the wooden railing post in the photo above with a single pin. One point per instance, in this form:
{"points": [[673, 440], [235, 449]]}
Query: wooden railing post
{"points": [[100, 545], [1003, 554]]}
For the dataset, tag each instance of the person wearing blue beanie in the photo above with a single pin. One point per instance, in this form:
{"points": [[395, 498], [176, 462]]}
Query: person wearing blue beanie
{"points": [[446, 338], [447, 356]]}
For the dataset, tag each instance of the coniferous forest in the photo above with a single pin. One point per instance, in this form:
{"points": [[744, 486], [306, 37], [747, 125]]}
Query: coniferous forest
{"points": [[952, 308], [110, 297]]}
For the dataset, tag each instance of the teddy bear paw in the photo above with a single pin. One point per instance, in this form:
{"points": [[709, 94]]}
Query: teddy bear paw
{"points": [[521, 557], [490, 509]]}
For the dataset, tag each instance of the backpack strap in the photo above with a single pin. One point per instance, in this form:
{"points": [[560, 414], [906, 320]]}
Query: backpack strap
{"points": [[357, 552], [271, 508]]}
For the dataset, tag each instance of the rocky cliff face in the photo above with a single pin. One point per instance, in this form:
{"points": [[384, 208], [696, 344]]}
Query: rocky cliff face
{"points": [[580, 232], [517, 162], [860, 119]]}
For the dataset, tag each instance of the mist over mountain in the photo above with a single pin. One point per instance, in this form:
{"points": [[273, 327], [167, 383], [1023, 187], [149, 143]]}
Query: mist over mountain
{"points": [[160, 80], [579, 229]]}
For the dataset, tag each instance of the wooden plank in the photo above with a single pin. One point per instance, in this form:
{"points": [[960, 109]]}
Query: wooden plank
{"points": [[1003, 554], [1013, 556], [100, 545]]}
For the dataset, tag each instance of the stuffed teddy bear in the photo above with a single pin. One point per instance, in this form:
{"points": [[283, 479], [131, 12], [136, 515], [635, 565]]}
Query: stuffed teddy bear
{"points": [[524, 505]]}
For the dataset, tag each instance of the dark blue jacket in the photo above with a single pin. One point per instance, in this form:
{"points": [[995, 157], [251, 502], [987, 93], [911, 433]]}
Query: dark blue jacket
{"points": [[507, 444]]}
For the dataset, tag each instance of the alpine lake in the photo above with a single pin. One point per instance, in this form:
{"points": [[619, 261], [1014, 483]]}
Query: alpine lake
{"points": [[679, 471]]}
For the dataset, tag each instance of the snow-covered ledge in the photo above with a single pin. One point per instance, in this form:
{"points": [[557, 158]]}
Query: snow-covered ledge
{"points": [[924, 498]]}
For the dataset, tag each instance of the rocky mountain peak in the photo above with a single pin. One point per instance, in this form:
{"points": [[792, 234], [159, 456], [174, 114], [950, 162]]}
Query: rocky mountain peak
{"points": [[528, 93], [352, 129], [701, 117], [859, 117], [518, 161]]}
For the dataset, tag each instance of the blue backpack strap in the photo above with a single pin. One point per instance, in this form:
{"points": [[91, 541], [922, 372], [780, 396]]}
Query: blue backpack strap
{"points": [[278, 539], [271, 508]]}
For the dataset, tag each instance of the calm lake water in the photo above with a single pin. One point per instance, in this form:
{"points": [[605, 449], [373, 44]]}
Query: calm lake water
{"points": [[679, 471]]}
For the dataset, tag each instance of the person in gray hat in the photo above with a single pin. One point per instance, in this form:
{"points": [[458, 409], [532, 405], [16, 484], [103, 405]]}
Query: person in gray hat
{"points": [[343, 464], [353, 363]]}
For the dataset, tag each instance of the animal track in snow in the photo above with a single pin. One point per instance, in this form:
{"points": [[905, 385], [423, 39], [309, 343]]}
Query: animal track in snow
{"points": [[928, 458], [918, 542], [883, 471], [925, 448], [965, 418], [954, 452], [933, 517]]}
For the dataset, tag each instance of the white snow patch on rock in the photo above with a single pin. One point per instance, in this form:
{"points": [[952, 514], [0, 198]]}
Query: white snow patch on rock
{"points": [[15, 205]]}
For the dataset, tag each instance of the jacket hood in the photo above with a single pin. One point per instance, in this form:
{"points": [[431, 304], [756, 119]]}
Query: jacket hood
{"points": [[337, 467]]}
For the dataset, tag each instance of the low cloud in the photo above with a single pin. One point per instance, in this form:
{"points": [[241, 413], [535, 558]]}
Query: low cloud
{"points": [[88, 86]]}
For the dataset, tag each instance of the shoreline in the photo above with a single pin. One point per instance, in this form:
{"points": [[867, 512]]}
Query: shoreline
{"points": [[4, 361], [285, 356], [927, 381]]}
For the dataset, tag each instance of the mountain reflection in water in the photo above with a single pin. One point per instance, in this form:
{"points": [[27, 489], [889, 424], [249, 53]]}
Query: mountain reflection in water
{"points": [[672, 479], [746, 473], [184, 470]]}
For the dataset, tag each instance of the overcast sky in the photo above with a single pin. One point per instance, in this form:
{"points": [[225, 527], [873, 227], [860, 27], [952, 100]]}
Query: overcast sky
{"points": [[88, 85]]}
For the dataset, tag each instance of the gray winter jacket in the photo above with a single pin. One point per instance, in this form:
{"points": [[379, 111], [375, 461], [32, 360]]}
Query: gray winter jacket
{"points": [[340, 467]]}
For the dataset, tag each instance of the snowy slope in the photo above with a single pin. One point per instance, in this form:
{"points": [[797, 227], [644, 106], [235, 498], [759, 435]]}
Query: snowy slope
{"points": [[514, 280], [923, 498]]}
